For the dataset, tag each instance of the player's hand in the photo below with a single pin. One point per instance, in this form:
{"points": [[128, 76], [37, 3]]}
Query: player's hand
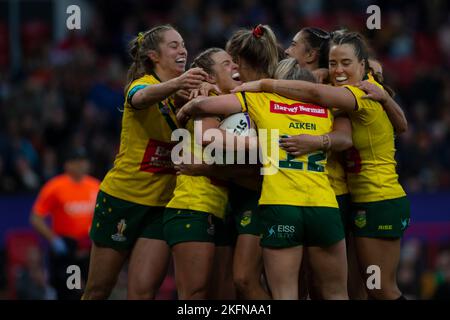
{"points": [[192, 169], [251, 86], [205, 89], [183, 94], [301, 144], [373, 91], [59, 246], [186, 111], [191, 79], [181, 97], [321, 75], [183, 116]]}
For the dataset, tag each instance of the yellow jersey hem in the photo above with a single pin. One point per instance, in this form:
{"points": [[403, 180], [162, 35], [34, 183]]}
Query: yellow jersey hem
{"points": [[200, 208], [299, 204], [137, 200], [377, 198]]}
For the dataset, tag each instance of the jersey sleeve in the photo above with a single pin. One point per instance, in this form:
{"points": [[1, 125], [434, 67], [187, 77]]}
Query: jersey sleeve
{"points": [[134, 87], [248, 101], [45, 201], [133, 90], [367, 109], [243, 100]]}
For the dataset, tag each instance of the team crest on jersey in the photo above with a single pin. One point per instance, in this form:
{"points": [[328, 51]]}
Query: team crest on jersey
{"points": [[121, 226], [211, 229], [246, 218], [360, 219]]}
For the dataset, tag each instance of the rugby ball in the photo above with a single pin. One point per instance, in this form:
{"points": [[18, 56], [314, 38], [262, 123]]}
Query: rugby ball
{"points": [[239, 124]]}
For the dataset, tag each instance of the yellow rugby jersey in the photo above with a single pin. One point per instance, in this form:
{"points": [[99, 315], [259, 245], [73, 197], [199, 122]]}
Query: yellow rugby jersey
{"points": [[143, 172], [336, 173], [299, 181], [370, 163], [197, 192]]}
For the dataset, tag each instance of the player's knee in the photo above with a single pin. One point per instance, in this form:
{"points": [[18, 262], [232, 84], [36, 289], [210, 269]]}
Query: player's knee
{"points": [[357, 293], [244, 283], [96, 294], [136, 292], [97, 291], [194, 293], [240, 280], [357, 289], [140, 290], [385, 293], [132, 295]]}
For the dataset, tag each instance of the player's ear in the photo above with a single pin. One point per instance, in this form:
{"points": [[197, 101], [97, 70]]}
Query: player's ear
{"points": [[363, 63], [312, 55], [153, 56]]}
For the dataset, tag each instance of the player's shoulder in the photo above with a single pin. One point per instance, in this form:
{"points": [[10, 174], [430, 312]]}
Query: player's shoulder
{"points": [[358, 93], [140, 83], [261, 95], [365, 106], [146, 79], [257, 98], [371, 79]]}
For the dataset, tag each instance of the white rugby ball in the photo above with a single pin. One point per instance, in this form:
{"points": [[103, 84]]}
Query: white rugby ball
{"points": [[239, 124]]}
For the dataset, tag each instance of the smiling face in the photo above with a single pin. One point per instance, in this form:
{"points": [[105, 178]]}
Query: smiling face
{"points": [[172, 54], [344, 66], [226, 74]]}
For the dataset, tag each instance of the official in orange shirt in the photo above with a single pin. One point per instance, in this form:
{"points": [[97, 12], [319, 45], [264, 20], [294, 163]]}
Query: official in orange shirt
{"points": [[69, 201]]}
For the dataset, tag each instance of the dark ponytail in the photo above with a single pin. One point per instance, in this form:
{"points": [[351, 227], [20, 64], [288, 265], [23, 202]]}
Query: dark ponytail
{"points": [[319, 40], [378, 76]]}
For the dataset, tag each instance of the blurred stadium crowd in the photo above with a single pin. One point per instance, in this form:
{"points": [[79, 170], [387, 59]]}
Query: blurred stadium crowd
{"points": [[69, 93]]}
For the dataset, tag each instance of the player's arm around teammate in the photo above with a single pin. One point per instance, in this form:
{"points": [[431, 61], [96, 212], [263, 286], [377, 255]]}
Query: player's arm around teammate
{"points": [[222, 76], [193, 220], [132, 197], [310, 48], [380, 209], [256, 53], [393, 110], [282, 259]]}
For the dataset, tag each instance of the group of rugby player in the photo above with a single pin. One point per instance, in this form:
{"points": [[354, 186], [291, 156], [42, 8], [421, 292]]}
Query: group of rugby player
{"points": [[331, 210]]}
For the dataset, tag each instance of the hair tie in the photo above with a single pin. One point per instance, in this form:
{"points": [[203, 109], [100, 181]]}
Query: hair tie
{"points": [[140, 38], [258, 31]]}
